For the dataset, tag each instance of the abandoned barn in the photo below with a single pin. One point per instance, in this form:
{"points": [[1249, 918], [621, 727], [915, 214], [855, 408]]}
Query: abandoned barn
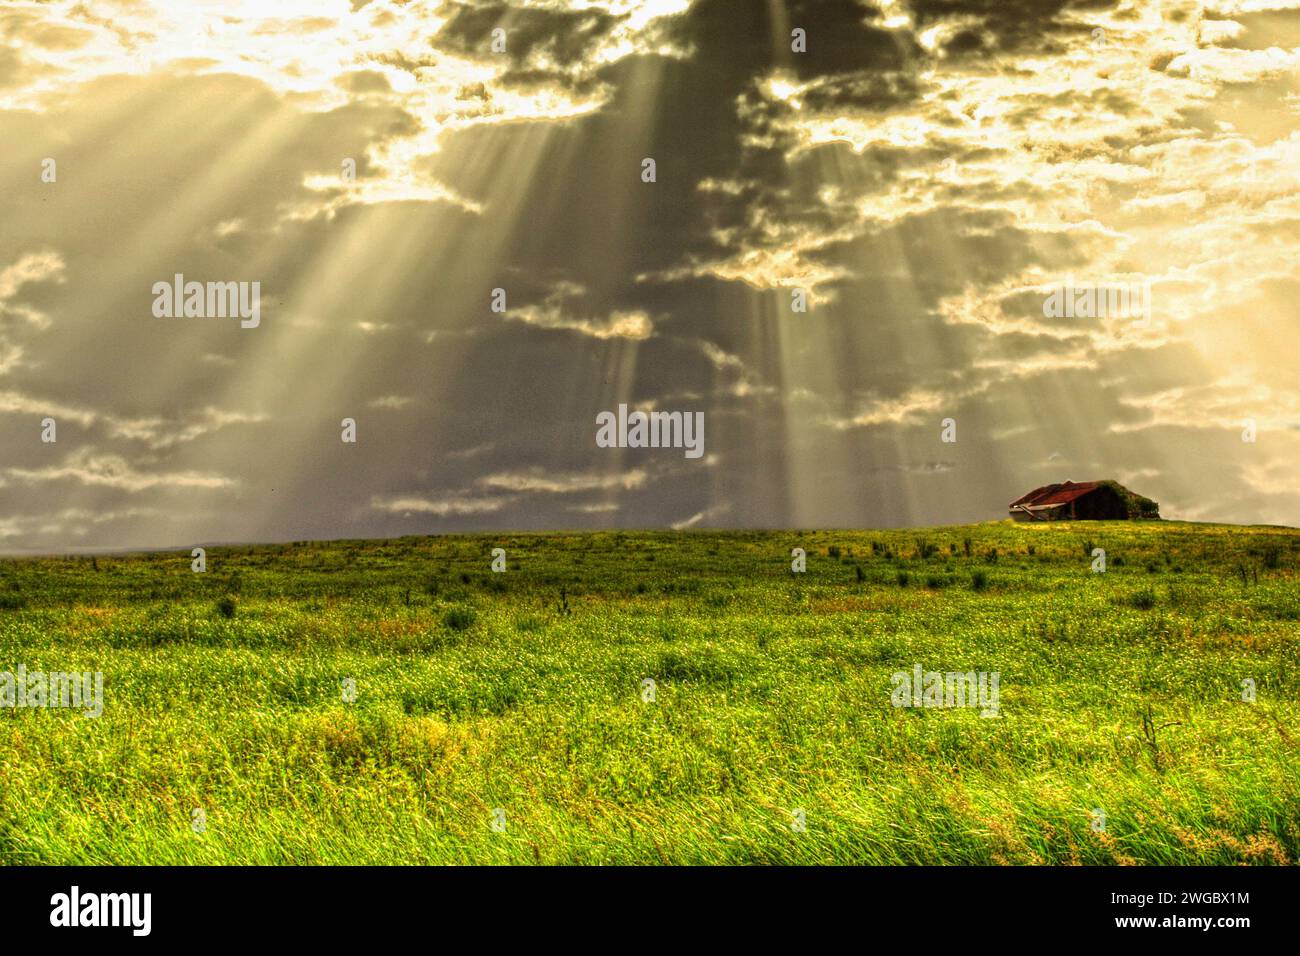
{"points": [[1083, 501]]}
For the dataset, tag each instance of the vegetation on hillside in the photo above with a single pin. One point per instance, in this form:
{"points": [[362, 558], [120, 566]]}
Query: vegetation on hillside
{"points": [[507, 717]]}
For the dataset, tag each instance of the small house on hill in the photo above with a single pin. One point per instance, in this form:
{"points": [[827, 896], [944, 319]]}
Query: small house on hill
{"points": [[1083, 501]]}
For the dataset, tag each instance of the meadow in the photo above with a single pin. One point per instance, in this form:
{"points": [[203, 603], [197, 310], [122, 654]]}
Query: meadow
{"points": [[364, 702]]}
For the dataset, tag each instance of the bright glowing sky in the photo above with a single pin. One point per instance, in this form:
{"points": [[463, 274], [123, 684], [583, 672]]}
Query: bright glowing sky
{"points": [[927, 171]]}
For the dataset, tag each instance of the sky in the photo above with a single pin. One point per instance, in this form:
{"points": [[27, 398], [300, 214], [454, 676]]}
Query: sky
{"points": [[841, 262]]}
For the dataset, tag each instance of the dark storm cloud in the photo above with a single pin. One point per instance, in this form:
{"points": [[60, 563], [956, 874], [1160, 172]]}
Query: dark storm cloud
{"points": [[1002, 26], [565, 37], [745, 38]]}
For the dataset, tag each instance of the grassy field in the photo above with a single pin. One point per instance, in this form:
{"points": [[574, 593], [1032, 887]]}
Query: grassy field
{"points": [[500, 718]]}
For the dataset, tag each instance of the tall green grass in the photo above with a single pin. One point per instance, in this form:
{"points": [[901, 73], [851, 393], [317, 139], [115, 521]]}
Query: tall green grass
{"points": [[523, 691]]}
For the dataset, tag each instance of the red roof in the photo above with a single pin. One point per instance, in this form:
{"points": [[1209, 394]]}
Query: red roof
{"points": [[1061, 494]]}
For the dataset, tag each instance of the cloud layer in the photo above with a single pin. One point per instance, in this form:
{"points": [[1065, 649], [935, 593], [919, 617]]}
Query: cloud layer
{"points": [[857, 212]]}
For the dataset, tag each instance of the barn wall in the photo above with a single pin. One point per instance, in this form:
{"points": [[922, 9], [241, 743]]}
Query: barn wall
{"points": [[1103, 504]]}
